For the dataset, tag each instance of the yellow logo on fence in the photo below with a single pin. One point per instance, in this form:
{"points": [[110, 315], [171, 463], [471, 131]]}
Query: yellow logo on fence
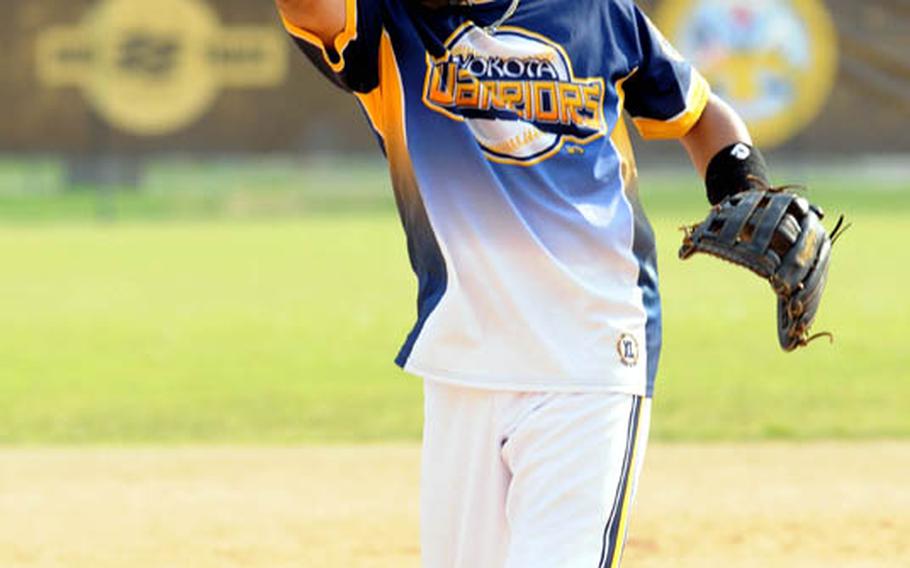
{"points": [[152, 68], [775, 61]]}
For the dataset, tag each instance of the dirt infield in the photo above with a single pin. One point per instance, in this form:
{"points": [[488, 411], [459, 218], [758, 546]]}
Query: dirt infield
{"points": [[804, 506]]}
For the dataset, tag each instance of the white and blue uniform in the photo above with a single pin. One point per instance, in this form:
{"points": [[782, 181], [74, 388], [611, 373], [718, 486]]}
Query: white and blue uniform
{"points": [[516, 185]]}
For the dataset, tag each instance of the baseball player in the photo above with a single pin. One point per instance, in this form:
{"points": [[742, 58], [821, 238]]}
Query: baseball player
{"points": [[538, 315]]}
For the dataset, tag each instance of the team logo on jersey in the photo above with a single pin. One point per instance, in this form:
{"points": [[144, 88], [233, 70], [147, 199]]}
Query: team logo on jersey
{"points": [[152, 68], [517, 92], [627, 347], [774, 61]]}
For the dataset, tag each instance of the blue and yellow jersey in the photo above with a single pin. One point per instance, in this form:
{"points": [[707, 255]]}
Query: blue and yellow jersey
{"points": [[515, 180]]}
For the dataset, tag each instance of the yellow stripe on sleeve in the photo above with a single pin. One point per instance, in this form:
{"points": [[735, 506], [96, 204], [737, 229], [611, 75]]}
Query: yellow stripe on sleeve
{"points": [[681, 124]]}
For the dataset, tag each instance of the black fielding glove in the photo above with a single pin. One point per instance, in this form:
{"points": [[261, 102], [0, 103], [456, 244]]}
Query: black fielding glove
{"points": [[778, 235]]}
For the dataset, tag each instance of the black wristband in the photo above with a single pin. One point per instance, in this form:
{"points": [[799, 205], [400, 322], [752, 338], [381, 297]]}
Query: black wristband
{"points": [[738, 167]]}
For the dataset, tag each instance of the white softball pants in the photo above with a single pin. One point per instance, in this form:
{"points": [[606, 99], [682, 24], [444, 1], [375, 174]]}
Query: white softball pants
{"points": [[528, 480]]}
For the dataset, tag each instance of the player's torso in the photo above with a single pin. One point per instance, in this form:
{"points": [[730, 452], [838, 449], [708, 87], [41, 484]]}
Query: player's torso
{"points": [[506, 149]]}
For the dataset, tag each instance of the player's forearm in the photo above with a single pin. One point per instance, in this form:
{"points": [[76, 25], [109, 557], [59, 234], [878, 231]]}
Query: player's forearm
{"points": [[719, 127], [323, 18], [721, 150]]}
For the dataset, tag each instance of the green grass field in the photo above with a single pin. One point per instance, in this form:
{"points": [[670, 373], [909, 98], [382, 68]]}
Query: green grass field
{"points": [[264, 327]]}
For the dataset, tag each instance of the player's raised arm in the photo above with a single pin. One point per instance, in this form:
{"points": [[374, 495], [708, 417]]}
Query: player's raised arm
{"points": [[323, 18], [340, 37]]}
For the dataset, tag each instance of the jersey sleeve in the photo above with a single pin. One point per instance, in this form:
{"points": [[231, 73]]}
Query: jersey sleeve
{"points": [[352, 60], [666, 95]]}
